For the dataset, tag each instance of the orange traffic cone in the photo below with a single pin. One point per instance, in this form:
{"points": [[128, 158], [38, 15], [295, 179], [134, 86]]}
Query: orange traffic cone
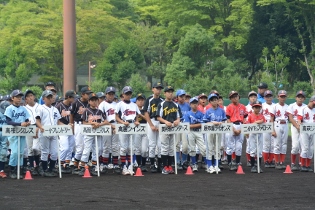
{"points": [[28, 176], [288, 170], [189, 171], [240, 170], [139, 172], [87, 173]]}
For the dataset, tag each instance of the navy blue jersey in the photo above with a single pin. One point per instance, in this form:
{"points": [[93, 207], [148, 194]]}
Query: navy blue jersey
{"points": [[169, 111]]}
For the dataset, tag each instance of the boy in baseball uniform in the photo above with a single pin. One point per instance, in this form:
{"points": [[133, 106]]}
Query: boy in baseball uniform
{"points": [[48, 115], [281, 129], [169, 114], [16, 115], [307, 115], [293, 111], [3, 139]]}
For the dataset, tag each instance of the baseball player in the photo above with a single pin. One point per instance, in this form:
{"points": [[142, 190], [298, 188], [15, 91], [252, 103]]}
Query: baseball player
{"points": [[126, 112], [255, 117], [262, 87], [16, 115], [252, 97], [150, 108], [236, 114], [216, 116], [268, 138], [181, 138], [169, 114], [3, 139], [307, 115], [52, 87], [195, 137], [187, 98], [33, 145], [66, 142], [95, 117], [293, 111], [77, 109], [281, 129], [202, 107], [141, 140], [48, 115]]}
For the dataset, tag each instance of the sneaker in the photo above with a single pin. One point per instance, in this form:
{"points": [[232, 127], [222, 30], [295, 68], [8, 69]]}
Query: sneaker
{"points": [[267, 165], [253, 169], [220, 165], [165, 170], [125, 171], [278, 166], [76, 171], [3, 175], [103, 168], [194, 167], [170, 170], [233, 166], [303, 169], [143, 169], [110, 166], [34, 171], [49, 174], [185, 165], [260, 170], [212, 170], [217, 169], [66, 169], [309, 169], [208, 170], [203, 165], [130, 169], [81, 171], [153, 169], [282, 166], [224, 162], [294, 167], [117, 169], [248, 164], [272, 164], [135, 164], [40, 171], [13, 174], [179, 166], [94, 170]]}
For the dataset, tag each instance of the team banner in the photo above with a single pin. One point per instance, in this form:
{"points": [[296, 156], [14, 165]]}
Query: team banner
{"points": [[57, 130], [131, 129], [9, 130], [257, 128], [181, 128], [211, 128], [308, 128], [104, 130]]}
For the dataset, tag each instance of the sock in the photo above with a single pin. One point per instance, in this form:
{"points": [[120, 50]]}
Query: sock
{"points": [[300, 159], [266, 157], [31, 160], [184, 157], [143, 161], [110, 160], [215, 162], [308, 162], [152, 161], [193, 159], [1, 166], [248, 157], [233, 156], [52, 164], [24, 162], [36, 159], [229, 158], [209, 163], [44, 165], [197, 157], [100, 159], [138, 159], [123, 160], [252, 161], [238, 159], [170, 160], [160, 161], [282, 158], [12, 168], [204, 159], [271, 157], [293, 158], [129, 160], [105, 160], [188, 157], [115, 160], [178, 157], [164, 159]]}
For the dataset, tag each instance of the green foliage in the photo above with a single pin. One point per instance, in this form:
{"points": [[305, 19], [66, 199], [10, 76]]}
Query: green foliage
{"points": [[99, 86], [138, 84], [305, 86], [36, 89]]}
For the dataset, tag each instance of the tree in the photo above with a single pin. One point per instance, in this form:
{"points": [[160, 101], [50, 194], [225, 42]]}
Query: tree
{"points": [[138, 84]]}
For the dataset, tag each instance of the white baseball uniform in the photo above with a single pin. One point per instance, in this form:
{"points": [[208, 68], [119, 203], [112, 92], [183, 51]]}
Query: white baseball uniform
{"points": [[307, 115], [268, 139], [281, 128]]}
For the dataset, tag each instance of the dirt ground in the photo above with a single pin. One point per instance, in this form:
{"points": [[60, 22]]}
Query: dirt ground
{"points": [[272, 189]]}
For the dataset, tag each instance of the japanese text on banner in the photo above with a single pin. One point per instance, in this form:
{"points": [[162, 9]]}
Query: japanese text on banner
{"points": [[181, 128], [131, 129], [57, 130], [9, 130], [307, 128], [100, 131], [257, 128], [211, 128]]}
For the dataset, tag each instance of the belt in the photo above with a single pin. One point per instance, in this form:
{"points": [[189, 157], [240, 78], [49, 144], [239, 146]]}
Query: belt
{"points": [[196, 129], [112, 121], [155, 118], [130, 121], [78, 122], [237, 123], [281, 121]]}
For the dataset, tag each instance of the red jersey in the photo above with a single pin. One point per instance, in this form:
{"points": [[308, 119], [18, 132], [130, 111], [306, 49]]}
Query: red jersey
{"points": [[252, 118], [202, 109], [236, 113]]}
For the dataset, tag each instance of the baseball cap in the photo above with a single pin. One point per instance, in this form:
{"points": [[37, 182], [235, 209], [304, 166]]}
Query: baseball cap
{"points": [[50, 84], [92, 95], [70, 94], [126, 89], [256, 103], [300, 92], [16, 93], [157, 85], [233, 92], [262, 85], [212, 96], [252, 93], [187, 95], [4, 105], [268, 92], [282, 93], [100, 94], [312, 99], [86, 89], [193, 100], [168, 88], [215, 92], [202, 95], [28, 92], [47, 93], [110, 89], [180, 92], [116, 96], [140, 95]]}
